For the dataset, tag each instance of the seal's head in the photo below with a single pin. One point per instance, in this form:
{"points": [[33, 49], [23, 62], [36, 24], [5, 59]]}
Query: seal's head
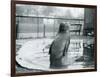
{"points": [[63, 28]]}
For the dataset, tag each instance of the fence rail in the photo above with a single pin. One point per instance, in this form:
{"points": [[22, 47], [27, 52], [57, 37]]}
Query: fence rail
{"points": [[34, 27]]}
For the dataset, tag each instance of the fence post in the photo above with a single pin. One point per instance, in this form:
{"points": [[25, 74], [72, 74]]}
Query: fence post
{"points": [[44, 31]]}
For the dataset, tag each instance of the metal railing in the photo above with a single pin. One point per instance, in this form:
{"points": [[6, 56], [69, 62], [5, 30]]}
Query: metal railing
{"points": [[40, 27]]}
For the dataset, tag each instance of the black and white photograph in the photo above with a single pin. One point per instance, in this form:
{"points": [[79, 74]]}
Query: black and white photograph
{"points": [[54, 38]]}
